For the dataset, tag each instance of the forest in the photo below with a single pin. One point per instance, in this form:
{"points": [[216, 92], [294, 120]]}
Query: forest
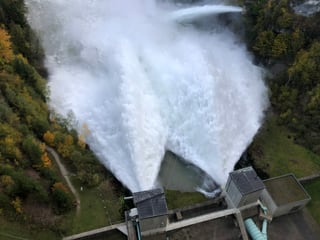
{"points": [[288, 45], [31, 188]]}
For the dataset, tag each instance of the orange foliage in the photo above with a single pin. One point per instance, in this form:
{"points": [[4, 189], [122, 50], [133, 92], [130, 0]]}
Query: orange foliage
{"points": [[46, 160], [17, 204], [60, 186], [6, 53], [48, 137]]}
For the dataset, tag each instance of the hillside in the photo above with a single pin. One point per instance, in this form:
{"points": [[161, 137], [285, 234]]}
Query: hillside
{"points": [[32, 190], [287, 45]]}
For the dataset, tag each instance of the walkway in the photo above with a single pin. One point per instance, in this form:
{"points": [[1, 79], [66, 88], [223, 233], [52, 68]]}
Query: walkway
{"points": [[65, 174], [310, 178], [121, 227]]}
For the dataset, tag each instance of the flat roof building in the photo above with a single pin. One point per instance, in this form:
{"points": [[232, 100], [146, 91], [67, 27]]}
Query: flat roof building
{"points": [[284, 194]]}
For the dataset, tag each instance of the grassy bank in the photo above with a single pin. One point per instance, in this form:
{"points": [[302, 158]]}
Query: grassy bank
{"points": [[275, 152], [100, 207], [314, 206], [15, 230]]}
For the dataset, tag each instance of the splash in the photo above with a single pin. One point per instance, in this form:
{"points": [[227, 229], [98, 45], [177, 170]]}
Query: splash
{"points": [[143, 85], [192, 13]]}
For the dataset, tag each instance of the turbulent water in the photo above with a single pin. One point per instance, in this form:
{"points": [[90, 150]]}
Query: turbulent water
{"points": [[143, 84]]}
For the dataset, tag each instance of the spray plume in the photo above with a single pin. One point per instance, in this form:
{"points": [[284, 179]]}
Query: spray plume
{"points": [[143, 85]]}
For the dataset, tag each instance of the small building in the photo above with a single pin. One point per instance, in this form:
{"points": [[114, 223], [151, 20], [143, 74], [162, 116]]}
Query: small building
{"points": [[244, 186], [152, 209], [284, 195]]}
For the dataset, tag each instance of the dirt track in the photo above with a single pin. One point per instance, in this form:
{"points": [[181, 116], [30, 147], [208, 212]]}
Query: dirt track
{"points": [[65, 174]]}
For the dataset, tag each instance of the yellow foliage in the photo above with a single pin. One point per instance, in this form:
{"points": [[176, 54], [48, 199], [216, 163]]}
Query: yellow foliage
{"points": [[6, 181], [22, 58], [65, 148], [68, 140], [48, 137], [46, 160], [6, 53], [9, 141], [10, 148], [17, 204]]}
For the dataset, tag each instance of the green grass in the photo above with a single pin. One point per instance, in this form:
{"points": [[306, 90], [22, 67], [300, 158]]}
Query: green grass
{"points": [[314, 206], [14, 230], [276, 153], [177, 199], [99, 208]]}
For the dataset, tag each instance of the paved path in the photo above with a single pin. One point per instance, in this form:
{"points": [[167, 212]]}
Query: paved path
{"points": [[199, 219], [120, 227], [309, 178], [65, 174]]}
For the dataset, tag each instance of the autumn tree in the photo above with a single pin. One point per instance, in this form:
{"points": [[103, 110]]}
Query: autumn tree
{"points": [[6, 54], [48, 137], [17, 205], [65, 148]]}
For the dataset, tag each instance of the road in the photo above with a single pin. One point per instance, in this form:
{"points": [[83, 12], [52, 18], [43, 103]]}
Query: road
{"points": [[65, 174]]}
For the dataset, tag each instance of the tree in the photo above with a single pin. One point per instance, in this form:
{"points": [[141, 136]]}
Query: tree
{"points": [[17, 205], [65, 148], [264, 43], [46, 162], [48, 137], [6, 183], [62, 198], [33, 150], [279, 48], [6, 54]]}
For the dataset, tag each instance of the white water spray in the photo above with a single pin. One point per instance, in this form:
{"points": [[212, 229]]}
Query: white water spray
{"points": [[191, 13], [144, 85]]}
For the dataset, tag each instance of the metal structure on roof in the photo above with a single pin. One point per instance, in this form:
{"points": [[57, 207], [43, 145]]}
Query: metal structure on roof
{"points": [[246, 180], [150, 203]]}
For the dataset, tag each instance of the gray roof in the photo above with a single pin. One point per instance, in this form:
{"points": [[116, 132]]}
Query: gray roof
{"points": [[150, 203], [286, 189], [246, 180]]}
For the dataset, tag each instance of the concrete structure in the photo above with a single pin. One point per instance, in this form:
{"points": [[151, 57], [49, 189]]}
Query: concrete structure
{"points": [[219, 218], [104, 231], [284, 195], [244, 187], [152, 209]]}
